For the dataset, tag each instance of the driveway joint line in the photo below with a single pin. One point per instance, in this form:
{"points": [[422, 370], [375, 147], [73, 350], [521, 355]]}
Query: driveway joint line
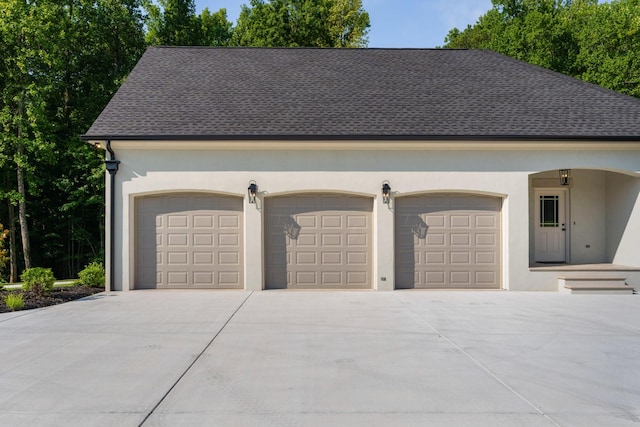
{"points": [[206, 347], [478, 363]]}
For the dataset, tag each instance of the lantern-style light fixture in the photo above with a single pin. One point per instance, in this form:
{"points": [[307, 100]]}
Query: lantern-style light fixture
{"points": [[252, 191], [564, 176], [386, 192]]}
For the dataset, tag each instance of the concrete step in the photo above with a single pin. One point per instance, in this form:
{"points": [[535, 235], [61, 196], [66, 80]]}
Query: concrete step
{"points": [[593, 285]]}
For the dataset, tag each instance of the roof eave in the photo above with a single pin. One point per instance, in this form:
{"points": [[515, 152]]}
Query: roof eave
{"points": [[293, 137]]}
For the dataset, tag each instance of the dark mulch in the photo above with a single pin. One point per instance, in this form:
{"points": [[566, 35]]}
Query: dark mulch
{"points": [[56, 296]]}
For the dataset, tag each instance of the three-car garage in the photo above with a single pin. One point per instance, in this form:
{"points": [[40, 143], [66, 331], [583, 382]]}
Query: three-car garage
{"points": [[317, 241]]}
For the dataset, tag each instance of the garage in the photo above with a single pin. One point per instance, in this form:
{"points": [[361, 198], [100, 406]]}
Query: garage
{"points": [[189, 241], [448, 241], [318, 241]]}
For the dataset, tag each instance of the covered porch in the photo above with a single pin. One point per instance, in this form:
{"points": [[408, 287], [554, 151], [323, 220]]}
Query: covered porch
{"points": [[585, 228]]}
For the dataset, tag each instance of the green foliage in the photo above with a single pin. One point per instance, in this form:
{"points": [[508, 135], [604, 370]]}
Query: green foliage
{"points": [[93, 275], [175, 23], [215, 28], [594, 42], [38, 280], [297, 23], [14, 301], [60, 64]]}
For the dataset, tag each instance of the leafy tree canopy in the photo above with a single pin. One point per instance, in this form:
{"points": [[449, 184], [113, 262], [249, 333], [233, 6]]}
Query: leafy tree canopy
{"points": [[594, 42], [296, 23]]}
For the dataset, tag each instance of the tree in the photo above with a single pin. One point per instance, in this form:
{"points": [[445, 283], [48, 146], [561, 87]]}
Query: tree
{"points": [[100, 43], [215, 28], [581, 38], [22, 103], [609, 38], [172, 23], [296, 23], [175, 23], [61, 63]]}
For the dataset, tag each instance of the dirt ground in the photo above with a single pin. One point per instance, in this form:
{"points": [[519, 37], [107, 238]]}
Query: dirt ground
{"points": [[56, 296]]}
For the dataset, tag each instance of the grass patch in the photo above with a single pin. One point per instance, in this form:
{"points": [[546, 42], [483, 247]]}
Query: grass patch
{"points": [[14, 302]]}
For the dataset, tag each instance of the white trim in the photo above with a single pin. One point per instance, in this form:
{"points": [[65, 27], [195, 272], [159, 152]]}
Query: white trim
{"points": [[378, 145]]}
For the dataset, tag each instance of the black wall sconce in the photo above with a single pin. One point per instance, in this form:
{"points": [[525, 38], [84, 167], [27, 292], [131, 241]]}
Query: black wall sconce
{"points": [[564, 176], [252, 191], [386, 192]]}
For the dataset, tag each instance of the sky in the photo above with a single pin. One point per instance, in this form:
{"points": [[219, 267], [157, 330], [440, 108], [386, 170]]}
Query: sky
{"points": [[397, 23]]}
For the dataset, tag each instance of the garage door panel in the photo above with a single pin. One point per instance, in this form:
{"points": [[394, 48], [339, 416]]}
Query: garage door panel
{"points": [[306, 278], [331, 277], [486, 239], [486, 277], [331, 221], [202, 258], [433, 239], [486, 258], [455, 241], [204, 240], [460, 258], [178, 278], [357, 221], [181, 239], [332, 239], [177, 258], [357, 240], [435, 221], [357, 258], [460, 239], [195, 240], [460, 221], [435, 277], [485, 221], [178, 221], [325, 238], [203, 278], [332, 257], [432, 258], [357, 278], [460, 278]]}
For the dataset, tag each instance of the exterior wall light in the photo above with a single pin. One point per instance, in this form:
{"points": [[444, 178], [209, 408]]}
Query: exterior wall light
{"points": [[252, 191], [564, 176], [386, 192]]}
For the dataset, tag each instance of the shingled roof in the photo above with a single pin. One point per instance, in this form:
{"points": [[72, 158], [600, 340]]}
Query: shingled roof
{"points": [[191, 93]]}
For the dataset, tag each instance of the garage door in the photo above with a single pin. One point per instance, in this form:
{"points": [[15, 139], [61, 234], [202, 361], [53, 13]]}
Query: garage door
{"points": [[189, 241], [318, 242], [448, 241]]}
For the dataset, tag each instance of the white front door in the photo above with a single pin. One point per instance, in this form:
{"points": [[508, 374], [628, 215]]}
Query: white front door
{"points": [[550, 234]]}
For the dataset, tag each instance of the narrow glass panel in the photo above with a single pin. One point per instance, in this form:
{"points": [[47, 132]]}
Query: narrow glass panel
{"points": [[549, 211]]}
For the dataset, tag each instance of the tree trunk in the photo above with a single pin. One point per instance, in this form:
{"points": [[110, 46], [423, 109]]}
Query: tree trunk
{"points": [[13, 251], [22, 203]]}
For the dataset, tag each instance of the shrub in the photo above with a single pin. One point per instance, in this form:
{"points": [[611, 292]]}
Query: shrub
{"points": [[92, 275], [14, 302], [38, 280]]}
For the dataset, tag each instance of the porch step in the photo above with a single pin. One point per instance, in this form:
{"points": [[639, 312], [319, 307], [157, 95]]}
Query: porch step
{"points": [[593, 285]]}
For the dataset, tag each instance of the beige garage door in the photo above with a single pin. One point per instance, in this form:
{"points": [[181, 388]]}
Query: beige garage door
{"points": [[318, 242], [448, 241], [189, 241]]}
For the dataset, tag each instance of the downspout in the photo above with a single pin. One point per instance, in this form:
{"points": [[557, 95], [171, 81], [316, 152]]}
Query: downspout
{"points": [[112, 167]]}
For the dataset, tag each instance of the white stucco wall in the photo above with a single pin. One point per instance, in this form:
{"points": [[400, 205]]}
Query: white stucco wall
{"points": [[149, 168], [623, 219], [588, 217]]}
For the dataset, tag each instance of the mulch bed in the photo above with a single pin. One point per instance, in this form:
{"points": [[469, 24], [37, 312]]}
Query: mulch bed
{"points": [[56, 296]]}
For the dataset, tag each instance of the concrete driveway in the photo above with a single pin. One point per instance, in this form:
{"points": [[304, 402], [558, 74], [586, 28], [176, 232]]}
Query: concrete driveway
{"points": [[282, 358]]}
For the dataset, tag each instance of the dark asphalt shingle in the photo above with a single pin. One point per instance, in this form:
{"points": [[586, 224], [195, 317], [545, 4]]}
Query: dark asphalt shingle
{"points": [[218, 93]]}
